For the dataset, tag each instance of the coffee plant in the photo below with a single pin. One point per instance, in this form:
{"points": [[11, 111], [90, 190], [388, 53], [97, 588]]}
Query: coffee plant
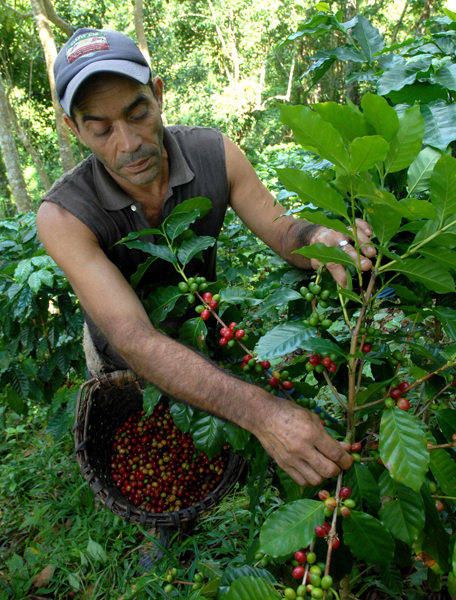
{"points": [[376, 359], [40, 327]]}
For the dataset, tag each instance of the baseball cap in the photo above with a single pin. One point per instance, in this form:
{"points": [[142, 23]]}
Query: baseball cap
{"points": [[90, 51]]}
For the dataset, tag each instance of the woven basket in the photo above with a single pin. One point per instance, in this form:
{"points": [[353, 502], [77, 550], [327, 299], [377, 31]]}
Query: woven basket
{"points": [[104, 404]]}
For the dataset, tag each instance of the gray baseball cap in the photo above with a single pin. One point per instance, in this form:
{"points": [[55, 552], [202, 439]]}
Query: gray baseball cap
{"points": [[90, 51]]}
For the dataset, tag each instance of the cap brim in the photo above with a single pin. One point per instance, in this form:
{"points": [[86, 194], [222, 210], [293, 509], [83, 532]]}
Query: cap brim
{"points": [[139, 73]]}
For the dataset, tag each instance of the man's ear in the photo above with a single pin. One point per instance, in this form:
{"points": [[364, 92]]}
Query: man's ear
{"points": [[72, 125], [157, 84]]}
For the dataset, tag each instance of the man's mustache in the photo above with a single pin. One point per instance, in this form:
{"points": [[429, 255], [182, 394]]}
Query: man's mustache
{"points": [[136, 157]]}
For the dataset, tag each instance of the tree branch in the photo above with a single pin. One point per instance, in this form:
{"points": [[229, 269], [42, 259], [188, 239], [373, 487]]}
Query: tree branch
{"points": [[56, 19], [16, 12]]}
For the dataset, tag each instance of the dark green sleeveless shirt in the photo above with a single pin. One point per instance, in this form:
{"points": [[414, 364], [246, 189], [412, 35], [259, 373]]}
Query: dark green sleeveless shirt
{"points": [[197, 168]]}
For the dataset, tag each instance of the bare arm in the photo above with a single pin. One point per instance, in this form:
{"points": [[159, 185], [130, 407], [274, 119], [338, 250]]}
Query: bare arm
{"points": [[253, 203], [291, 435]]}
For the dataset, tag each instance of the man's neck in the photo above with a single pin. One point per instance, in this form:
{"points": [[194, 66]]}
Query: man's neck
{"points": [[152, 194]]}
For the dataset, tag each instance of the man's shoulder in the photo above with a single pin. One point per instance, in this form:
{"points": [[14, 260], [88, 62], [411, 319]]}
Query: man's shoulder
{"points": [[193, 133], [80, 175]]}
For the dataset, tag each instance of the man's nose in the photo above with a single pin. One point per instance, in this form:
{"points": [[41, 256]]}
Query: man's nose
{"points": [[128, 139]]}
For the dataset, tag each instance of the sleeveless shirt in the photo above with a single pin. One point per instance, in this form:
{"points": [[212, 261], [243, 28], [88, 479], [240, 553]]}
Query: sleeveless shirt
{"points": [[197, 167]]}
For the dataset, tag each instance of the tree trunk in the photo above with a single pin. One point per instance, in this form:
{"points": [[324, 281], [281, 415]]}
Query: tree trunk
{"points": [[50, 53], [28, 146], [139, 27], [11, 158]]}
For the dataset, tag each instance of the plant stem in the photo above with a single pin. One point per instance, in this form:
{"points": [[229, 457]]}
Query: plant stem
{"points": [[362, 573], [332, 532], [438, 446], [448, 385], [344, 310], [334, 391]]}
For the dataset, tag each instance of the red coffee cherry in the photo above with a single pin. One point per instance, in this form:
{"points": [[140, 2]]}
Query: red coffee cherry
{"points": [[320, 531], [240, 333], [403, 386], [213, 304], [355, 447], [323, 495], [207, 297], [439, 506], [300, 556], [315, 359], [335, 544], [224, 331], [287, 385], [327, 526], [332, 368], [345, 512], [229, 335], [205, 314], [233, 325], [298, 572], [327, 362], [366, 348], [265, 364], [223, 341], [345, 492], [395, 393], [247, 357], [273, 382], [403, 404]]}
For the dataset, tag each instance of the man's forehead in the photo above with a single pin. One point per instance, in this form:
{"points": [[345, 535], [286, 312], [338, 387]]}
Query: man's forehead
{"points": [[110, 91]]}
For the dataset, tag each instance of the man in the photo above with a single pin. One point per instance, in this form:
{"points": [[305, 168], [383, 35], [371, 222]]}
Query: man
{"points": [[137, 171]]}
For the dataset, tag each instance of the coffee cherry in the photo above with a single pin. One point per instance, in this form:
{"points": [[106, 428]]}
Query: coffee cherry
{"points": [[315, 359], [224, 331], [330, 504], [356, 457], [183, 287], [240, 333], [233, 325], [315, 579], [213, 304], [350, 503], [198, 577], [205, 314], [355, 447], [265, 364], [168, 588], [298, 572], [311, 558], [366, 348], [327, 526], [207, 297], [287, 385], [327, 362], [439, 506], [332, 368], [326, 582], [264, 562], [453, 437], [345, 492], [395, 393], [345, 512], [289, 594], [223, 341], [317, 593], [335, 543], [403, 386], [320, 531], [326, 324], [389, 403], [403, 404], [191, 298], [273, 382], [301, 590], [247, 357], [300, 556], [374, 444], [433, 487], [323, 495]]}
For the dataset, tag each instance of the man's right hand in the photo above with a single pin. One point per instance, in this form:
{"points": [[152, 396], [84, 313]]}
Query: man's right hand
{"points": [[297, 441]]}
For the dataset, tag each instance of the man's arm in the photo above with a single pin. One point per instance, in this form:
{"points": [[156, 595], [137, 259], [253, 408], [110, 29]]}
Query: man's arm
{"points": [[253, 203], [291, 435]]}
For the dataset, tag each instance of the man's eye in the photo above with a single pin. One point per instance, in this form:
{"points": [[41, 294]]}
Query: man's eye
{"points": [[141, 116], [103, 133]]}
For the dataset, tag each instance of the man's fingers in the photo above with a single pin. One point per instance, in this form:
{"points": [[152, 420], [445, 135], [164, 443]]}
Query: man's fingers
{"points": [[366, 264], [335, 452]]}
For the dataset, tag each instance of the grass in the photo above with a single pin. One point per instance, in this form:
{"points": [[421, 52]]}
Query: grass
{"points": [[56, 542]]}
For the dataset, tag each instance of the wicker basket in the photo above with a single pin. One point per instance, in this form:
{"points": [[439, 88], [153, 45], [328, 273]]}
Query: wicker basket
{"points": [[104, 404]]}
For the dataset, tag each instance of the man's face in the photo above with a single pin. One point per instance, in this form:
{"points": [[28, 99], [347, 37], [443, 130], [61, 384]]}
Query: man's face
{"points": [[120, 121]]}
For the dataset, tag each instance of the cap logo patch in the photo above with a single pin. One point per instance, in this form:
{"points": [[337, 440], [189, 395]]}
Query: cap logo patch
{"points": [[86, 45]]}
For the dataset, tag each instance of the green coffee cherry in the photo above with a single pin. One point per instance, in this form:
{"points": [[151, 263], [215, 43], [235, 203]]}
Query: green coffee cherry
{"points": [[301, 590], [183, 287], [259, 555], [198, 577], [326, 582], [309, 297], [315, 579], [168, 588], [311, 558], [289, 594], [191, 298], [326, 324]]}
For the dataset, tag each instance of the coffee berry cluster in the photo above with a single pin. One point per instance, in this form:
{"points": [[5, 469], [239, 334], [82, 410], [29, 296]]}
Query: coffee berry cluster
{"points": [[343, 509], [198, 581], [157, 467], [191, 286], [229, 335], [210, 303], [319, 363], [316, 582], [395, 395]]}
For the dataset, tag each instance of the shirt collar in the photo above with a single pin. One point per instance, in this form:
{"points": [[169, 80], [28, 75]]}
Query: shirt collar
{"points": [[111, 195]]}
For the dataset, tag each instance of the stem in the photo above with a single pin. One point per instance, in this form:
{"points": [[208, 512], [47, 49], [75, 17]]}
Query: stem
{"points": [[306, 570], [334, 391], [362, 573], [448, 385], [438, 446], [344, 310]]}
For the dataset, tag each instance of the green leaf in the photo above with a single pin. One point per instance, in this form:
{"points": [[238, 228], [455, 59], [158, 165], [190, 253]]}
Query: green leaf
{"points": [[446, 76], [208, 434], [436, 544], [406, 145], [365, 490], [140, 271], [417, 209], [319, 218], [443, 468], [392, 577], [447, 421], [380, 115], [290, 527], [151, 398], [326, 254], [402, 510], [419, 173], [19, 381], [283, 339], [370, 394], [447, 316], [251, 588], [368, 37], [162, 252], [134, 235], [311, 190], [190, 248], [368, 539], [162, 301], [443, 187], [384, 221], [233, 295], [278, 298], [403, 448], [418, 93], [350, 295], [23, 271], [177, 224], [58, 424], [321, 346], [366, 152], [443, 256], [440, 124], [315, 134], [182, 416], [15, 402], [230, 574], [424, 271], [348, 121], [204, 205], [401, 75], [193, 333], [63, 359], [237, 437], [96, 551]]}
